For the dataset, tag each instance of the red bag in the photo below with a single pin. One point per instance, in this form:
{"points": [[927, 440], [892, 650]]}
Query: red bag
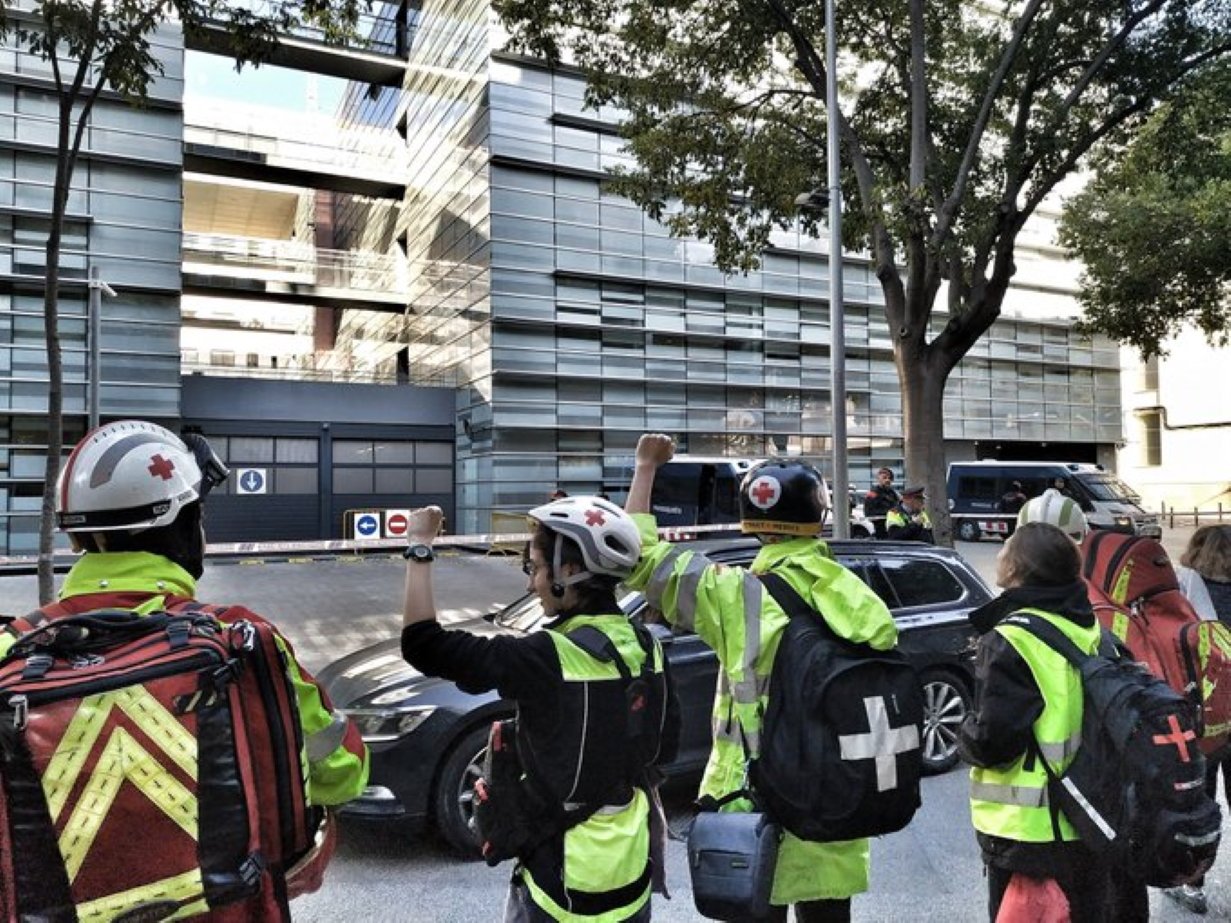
{"points": [[1135, 595], [1033, 900], [168, 736]]}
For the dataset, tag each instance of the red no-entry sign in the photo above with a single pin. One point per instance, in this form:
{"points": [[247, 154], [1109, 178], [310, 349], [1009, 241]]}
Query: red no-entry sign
{"points": [[396, 523]]}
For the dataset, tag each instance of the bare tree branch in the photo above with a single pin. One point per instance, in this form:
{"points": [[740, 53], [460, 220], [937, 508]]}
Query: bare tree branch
{"points": [[944, 220]]}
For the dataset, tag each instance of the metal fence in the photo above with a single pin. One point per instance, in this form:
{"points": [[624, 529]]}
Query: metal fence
{"points": [[1194, 517]]}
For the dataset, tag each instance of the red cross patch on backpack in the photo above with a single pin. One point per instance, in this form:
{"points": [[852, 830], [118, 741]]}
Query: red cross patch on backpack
{"points": [[169, 737]]}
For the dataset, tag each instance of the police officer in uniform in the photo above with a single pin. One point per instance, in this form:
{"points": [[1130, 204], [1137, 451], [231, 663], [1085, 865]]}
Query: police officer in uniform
{"points": [[909, 521], [782, 502], [571, 708]]}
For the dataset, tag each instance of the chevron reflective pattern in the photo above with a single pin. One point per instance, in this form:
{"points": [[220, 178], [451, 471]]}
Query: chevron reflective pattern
{"points": [[123, 758]]}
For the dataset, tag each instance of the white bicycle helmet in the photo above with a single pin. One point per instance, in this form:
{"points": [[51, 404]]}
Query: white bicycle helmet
{"points": [[607, 536], [133, 475], [1055, 508]]}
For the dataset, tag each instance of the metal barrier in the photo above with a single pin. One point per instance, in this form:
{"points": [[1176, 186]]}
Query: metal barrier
{"points": [[328, 547], [1196, 515], [511, 531]]}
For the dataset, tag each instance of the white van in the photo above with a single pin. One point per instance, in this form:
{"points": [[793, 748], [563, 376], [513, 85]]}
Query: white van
{"points": [[981, 496]]}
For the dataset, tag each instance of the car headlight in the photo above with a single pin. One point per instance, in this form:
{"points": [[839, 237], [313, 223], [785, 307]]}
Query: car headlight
{"points": [[1124, 521], [380, 725]]}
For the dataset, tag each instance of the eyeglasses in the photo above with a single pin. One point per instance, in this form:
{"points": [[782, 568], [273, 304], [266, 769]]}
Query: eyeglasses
{"points": [[529, 568]]}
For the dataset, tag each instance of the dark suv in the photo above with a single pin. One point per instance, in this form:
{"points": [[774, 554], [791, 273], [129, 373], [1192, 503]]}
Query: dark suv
{"points": [[426, 736]]}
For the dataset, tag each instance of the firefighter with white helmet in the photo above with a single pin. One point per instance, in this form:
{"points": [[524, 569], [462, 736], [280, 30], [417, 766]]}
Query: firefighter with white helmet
{"points": [[588, 760], [1055, 508], [130, 497]]}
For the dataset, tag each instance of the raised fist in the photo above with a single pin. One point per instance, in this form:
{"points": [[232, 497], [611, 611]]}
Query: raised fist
{"points": [[655, 449]]}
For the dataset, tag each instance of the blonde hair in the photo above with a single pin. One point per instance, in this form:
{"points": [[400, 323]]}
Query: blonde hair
{"points": [[1209, 553], [1040, 554]]}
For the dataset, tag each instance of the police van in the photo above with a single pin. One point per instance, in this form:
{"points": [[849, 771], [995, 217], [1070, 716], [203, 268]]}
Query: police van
{"points": [[983, 498], [694, 490]]}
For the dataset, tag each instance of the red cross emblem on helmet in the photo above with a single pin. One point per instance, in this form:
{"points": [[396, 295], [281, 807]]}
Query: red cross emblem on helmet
{"points": [[764, 492], [161, 467], [595, 517]]}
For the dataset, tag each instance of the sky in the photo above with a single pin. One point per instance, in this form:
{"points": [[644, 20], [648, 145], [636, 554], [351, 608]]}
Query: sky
{"points": [[212, 78]]}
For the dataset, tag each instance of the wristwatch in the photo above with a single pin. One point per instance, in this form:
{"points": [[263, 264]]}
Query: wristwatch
{"points": [[419, 553]]}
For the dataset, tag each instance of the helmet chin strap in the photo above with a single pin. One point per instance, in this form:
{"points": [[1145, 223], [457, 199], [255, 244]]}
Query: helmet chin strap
{"points": [[558, 583]]}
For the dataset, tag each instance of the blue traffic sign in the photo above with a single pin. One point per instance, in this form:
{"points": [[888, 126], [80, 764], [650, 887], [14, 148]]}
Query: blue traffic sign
{"points": [[251, 481], [366, 525]]}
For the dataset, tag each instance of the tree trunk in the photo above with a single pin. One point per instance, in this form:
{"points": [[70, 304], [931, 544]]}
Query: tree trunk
{"points": [[923, 420], [55, 368]]}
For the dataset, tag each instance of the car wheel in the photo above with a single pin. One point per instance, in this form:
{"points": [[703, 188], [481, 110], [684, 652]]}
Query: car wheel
{"points": [[968, 530], [945, 705], [453, 807]]}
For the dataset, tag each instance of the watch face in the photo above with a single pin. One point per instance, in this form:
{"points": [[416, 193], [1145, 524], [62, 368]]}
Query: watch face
{"points": [[420, 553]]}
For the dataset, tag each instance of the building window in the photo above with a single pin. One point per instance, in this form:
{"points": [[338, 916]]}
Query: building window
{"points": [[1149, 374], [1152, 439], [221, 357]]}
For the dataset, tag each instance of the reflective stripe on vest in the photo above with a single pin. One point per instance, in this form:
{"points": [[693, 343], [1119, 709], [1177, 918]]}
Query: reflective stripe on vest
{"points": [[327, 739], [1011, 801]]}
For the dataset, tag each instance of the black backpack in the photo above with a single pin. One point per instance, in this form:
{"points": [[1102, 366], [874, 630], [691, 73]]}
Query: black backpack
{"points": [[840, 744], [1135, 792], [652, 718], [513, 815]]}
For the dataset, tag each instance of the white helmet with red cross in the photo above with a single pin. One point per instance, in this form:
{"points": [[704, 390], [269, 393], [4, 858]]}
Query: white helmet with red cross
{"points": [[133, 475], [607, 536]]}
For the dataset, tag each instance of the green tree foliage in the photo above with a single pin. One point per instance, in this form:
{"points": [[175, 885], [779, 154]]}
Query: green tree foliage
{"points": [[100, 46], [957, 120], [1154, 227]]}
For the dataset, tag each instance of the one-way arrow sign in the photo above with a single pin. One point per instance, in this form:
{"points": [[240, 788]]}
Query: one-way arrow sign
{"points": [[251, 481]]}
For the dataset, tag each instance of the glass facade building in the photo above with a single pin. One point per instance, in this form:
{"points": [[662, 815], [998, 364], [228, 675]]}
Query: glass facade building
{"points": [[570, 322], [123, 218], [448, 227]]}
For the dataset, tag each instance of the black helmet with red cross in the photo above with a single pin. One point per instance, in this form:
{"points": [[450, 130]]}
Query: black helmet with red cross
{"points": [[783, 496]]}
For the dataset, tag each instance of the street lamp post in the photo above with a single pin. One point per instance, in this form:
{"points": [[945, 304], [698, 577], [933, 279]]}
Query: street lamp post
{"points": [[94, 383], [837, 342]]}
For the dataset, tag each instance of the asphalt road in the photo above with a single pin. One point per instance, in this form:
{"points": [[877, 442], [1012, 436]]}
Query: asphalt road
{"points": [[928, 872]]}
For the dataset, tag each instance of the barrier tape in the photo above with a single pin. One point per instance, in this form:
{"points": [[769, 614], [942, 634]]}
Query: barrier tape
{"points": [[316, 547]]}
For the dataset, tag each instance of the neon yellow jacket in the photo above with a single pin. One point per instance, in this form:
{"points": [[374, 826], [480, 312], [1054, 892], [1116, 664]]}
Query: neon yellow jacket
{"points": [[731, 611], [1011, 801]]}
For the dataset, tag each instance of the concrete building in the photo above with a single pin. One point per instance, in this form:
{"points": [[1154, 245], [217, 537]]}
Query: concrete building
{"points": [[1177, 426], [443, 232]]}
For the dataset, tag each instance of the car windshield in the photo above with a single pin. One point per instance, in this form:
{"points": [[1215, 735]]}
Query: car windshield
{"points": [[1107, 487], [526, 614]]}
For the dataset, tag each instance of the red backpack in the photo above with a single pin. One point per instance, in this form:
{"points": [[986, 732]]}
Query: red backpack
{"points": [[151, 766], [1133, 589]]}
